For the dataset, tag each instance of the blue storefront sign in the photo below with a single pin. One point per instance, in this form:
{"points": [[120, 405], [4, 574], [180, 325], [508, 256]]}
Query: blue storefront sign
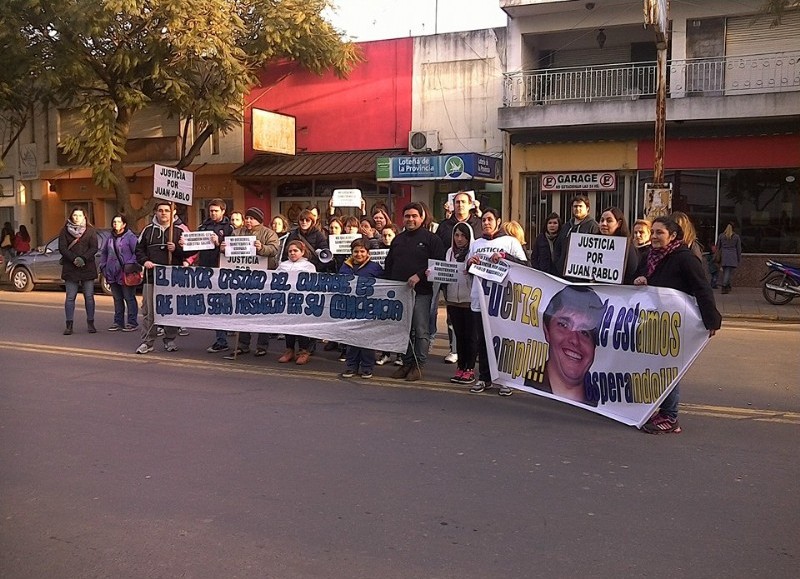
{"points": [[439, 167]]}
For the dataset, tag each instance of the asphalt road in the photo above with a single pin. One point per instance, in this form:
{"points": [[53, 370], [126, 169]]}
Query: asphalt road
{"points": [[184, 465]]}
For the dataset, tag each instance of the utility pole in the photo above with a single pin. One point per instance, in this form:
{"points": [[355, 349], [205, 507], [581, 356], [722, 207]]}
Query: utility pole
{"points": [[658, 195]]}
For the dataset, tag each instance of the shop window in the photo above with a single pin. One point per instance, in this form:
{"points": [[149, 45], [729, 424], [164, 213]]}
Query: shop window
{"points": [[764, 206], [295, 189]]}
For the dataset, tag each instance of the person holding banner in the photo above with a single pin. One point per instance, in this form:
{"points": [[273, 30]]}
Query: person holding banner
{"points": [[297, 261], [493, 244], [673, 265], [581, 222], [407, 261], [458, 299], [359, 264], [158, 245], [612, 222], [571, 322], [308, 233], [267, 245], [542, 258], [221, 227]]}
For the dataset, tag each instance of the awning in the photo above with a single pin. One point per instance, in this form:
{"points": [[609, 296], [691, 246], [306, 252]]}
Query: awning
{"points": [[314, 164]]}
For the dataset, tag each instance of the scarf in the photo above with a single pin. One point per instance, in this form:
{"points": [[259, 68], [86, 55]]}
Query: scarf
{"points": [[76, 230], [656, 256]]}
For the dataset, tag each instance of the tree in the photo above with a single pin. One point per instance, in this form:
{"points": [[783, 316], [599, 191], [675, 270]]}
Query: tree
{"points": [[777, 8], [194, 58]]}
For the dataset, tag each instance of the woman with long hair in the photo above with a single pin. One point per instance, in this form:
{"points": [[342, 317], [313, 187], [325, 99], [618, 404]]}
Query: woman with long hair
{"points": [[280, 224], [689, 233], [542, 258], [729, 248], [77, 244], [612, 222], [119, 251], [671, 264], [22, 240]]}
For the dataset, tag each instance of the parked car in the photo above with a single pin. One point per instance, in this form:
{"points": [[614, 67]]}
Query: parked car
{"points": [[42, 266]]}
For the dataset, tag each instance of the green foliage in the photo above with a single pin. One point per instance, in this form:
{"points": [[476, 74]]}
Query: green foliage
{"points": [[193, 58], [777, 8]]}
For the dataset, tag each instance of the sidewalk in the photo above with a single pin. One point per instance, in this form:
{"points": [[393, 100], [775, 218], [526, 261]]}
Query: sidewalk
{"points": [[748, 303]]}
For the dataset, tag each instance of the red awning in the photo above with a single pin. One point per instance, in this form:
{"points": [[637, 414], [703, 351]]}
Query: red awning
{"points": [[314, 164]]}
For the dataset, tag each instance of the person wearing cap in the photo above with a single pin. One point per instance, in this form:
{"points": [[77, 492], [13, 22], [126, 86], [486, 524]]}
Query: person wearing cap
{"points": [[267, 245]]}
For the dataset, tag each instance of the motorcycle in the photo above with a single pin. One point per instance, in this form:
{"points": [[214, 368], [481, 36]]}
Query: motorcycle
{"points": [[781, 284]]}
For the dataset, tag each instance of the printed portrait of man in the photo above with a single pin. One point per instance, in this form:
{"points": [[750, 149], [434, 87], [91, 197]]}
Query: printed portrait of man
{"points": [[571, 322]]}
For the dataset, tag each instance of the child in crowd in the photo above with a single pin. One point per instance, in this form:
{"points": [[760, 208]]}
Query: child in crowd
{"points": [[359, 264], [298, 261]]}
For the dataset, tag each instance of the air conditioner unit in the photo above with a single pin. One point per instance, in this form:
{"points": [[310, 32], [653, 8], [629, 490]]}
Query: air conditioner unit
{"points": [[424, 142]]}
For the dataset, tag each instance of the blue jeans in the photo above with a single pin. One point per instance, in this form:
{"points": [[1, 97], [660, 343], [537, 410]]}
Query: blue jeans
{"points": [[72, 293], [669, 407], [360, 357], [419, 342], [727, 271], [124, 295], [262, 340], [221, 337]]}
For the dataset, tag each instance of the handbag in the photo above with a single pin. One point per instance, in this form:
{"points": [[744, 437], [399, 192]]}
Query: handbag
{"points": [[132, 273]]}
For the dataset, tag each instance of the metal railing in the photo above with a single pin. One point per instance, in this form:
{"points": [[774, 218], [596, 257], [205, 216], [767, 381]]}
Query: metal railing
{"points": [[759, 73]]}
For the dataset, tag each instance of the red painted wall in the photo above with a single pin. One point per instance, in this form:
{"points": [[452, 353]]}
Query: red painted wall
{"points": [[370, 109], [725, 153]]}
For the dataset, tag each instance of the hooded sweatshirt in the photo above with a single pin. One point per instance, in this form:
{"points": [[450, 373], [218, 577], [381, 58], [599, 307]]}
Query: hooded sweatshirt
{"points": [[458, 293]]}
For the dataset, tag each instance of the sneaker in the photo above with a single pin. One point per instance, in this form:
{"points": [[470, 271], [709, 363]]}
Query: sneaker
{"points": [[130, 328], [342, 358], [366, 375], [468, 377], [505, 391], [349, 373], [660, 424], [236, 353], [260, 352], [114, 328], [383, 359], [144, 349], [217, 347], [183, 332], [451, 358], [170, 346], [160, 331], [398, 361], [330, 346], [458, 378], [480, 386]]}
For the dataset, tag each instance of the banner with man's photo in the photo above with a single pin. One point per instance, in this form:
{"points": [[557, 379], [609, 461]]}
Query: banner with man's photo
{"points": [[614, 350], [359, 311]]}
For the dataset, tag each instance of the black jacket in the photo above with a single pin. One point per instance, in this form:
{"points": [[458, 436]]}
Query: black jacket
{"points": [[445, 229], [561, 244], [542, 257], [409, 255], [152, 246], [314, 241], [210, 257], [682, 271], [85, 248]]}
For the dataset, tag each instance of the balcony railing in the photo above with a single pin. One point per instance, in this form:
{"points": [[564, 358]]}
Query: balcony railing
{"points": [[760, 73]]}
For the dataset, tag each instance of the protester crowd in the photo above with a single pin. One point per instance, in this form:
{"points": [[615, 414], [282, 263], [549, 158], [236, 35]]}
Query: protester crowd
{"points": [[664, 253]]}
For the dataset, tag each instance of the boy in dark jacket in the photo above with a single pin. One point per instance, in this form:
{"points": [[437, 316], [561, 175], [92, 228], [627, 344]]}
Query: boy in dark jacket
{"points": [[359, 264]]}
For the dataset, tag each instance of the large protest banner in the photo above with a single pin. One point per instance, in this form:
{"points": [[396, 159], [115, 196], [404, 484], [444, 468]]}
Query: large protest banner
{"points": [[614, 350], [360, 311]]}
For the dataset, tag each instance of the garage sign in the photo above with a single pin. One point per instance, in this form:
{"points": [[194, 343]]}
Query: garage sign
{"points": [[603, 181]]}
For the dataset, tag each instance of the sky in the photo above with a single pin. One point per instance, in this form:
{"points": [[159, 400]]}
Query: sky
{"points": [[364, 20]]}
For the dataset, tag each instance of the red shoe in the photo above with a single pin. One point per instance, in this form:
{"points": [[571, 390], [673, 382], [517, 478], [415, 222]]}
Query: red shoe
{"points": [[660, 424]]}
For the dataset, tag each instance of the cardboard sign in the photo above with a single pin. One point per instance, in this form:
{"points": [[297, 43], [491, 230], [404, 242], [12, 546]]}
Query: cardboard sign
{"points": [[244, 262], [487, 270], [340, 244], [236, 245], [174, 185], [444, 271], [346, 198], [378, 256], [197, 240], [599, 258]]}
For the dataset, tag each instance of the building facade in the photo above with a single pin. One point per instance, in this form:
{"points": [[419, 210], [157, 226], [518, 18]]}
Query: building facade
{"points": [[579, 110]]}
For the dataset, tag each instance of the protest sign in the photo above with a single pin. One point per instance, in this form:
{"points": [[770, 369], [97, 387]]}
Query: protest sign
{"points": [[378, 256], [240, 245], [489, 271], [346, 198], [197, 240], [599, 258], [444, 271], [174, 185], [244, 262], [360, 311], [451, 198], [614, 350], [340, 244]]}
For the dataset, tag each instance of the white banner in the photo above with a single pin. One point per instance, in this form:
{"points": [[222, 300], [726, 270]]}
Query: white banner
{"points": [[197, 240], [360, 311], [598, 258], [240, 245], [444, 271], [490, 271], [346, 198], [340, 244], [614, 350], [173, 184]]}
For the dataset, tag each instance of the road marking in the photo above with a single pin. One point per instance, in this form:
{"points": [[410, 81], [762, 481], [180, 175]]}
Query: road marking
{"points": [[727, 412]]}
